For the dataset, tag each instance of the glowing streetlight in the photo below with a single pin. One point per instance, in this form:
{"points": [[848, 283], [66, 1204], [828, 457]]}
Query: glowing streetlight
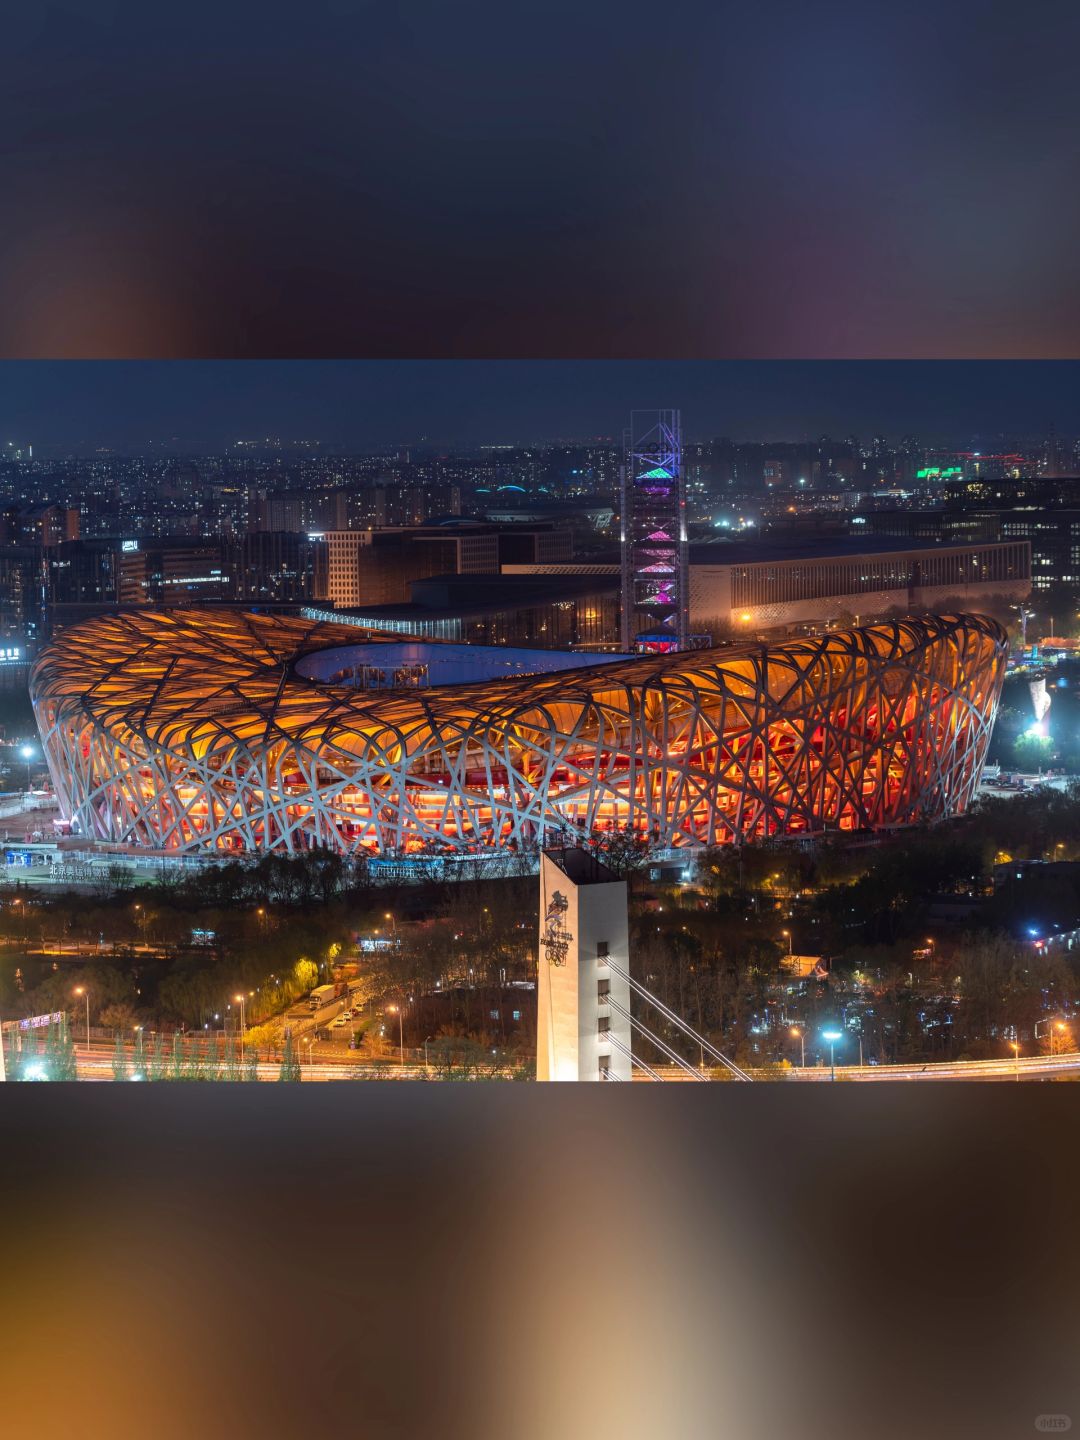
{"points": [[396, 1010], [240, 999], [1014, 1045], [1052, 1025], [27, 753], [787, 936], [83, 990], [832, 1036], [800, 1035]]}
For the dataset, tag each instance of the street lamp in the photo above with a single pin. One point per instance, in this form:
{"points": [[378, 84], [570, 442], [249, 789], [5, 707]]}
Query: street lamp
{"points": [[27, 753], [143, 920], [787, 936], [800, 1035], [1014, 1045], [832, 1036], [396, 1010], [1025, 616], [243, 1024], [84, 990], [1057, 1025]]}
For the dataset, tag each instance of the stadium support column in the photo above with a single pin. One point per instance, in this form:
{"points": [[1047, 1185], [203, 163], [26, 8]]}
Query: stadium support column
{"points": [[583, 926], [655, 569]]}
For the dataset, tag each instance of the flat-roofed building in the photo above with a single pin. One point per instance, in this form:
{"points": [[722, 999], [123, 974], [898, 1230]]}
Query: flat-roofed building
{"points": [[579, 612], [762, 586], [376, 567], [747, 587]]}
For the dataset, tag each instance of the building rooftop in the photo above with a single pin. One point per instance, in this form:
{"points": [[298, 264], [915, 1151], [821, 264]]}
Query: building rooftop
{"points": [[755, 552], [451, 596], [581, 866]]}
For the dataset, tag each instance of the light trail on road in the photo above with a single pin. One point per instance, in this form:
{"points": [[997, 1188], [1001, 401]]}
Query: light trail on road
{"points": [[98, 1065]]}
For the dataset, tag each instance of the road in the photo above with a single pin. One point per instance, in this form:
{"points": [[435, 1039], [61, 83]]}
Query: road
{"points": [[316, 1031], [98, 1065], [333, 1062], [1037, 1067]]}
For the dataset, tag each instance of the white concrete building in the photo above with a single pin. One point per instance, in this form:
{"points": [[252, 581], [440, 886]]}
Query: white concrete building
{"points": [[583, 927]]}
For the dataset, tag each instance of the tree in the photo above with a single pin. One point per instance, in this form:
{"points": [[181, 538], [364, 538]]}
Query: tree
{"points": [[138, 1062], [9, 1040], [210, 1067], [119, 1064], [156, 1069], [1032, 750], [250, 1068], [290, 1065], [49, 1052], [623, 851], [305, 974], [119, 1017], [458, 1057], [30, 1066], [230, 1070], [66, 1068]]}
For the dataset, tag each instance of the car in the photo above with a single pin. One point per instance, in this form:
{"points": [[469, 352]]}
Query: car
{"points": [[346, 1015], [337, 1022]]}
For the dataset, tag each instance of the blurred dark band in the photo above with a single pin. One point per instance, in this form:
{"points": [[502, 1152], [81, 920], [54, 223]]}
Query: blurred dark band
{"points": [[349, 178], [545, 1263]]}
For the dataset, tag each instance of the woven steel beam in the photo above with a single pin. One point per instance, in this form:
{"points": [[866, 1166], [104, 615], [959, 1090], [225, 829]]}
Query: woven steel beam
{"points": [[187, 730]]}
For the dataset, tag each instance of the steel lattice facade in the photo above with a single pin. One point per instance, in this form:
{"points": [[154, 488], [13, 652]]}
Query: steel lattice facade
{"points": [[186, 730]]}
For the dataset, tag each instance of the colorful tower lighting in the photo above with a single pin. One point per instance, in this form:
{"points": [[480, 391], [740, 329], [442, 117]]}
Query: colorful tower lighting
{"points": [[655, 581]]}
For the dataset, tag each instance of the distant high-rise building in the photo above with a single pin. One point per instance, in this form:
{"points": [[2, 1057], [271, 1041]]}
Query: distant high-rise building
{"points": [[275, 566], [45, 525], [1053, 466], [174, 571], [338, 575], [322, 508], [377, 566], [654, 540]]}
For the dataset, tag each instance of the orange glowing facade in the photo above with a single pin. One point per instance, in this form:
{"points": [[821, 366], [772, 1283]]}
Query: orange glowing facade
{"points": [[188, 730]]}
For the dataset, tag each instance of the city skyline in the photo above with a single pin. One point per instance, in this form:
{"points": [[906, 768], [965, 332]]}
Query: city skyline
{"points": [[81, 408]]}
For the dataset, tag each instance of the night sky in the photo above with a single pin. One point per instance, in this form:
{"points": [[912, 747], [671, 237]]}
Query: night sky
{"points": [[76, 406], [547, 177]]}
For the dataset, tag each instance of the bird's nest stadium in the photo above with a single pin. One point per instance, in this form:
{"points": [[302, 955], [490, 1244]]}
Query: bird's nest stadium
{"points": [[214, 729]]}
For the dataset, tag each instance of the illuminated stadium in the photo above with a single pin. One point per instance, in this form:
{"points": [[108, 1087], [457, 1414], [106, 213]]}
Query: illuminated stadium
{"points": [[214, 729]]}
